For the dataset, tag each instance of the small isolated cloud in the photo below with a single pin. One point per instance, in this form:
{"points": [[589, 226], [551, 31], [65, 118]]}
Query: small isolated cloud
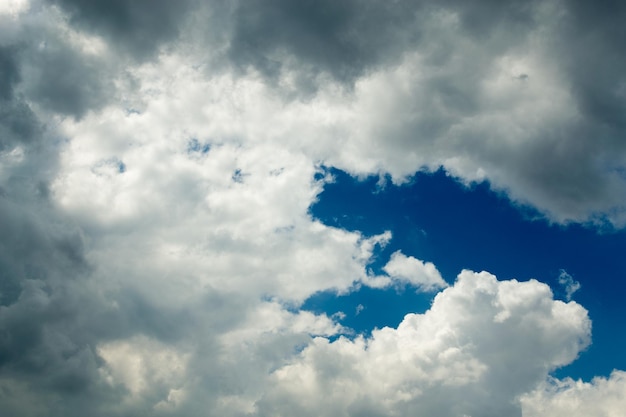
{"points": [[338, 316], [358, 309], [409, 270], [570, 285]]}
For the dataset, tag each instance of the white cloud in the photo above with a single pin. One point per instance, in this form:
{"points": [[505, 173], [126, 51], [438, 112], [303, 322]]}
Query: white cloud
{"points": [[482, 344], [14, 7], [602, 397], [273, 318], [568, 282], [142, 365], [409, 270]]}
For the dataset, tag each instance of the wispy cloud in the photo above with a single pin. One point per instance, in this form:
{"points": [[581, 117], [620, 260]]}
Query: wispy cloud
{"points": [[570, 285]]}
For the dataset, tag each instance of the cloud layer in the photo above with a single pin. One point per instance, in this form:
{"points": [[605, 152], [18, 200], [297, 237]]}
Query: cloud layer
{"points": [[501, 93], [158, 161]]}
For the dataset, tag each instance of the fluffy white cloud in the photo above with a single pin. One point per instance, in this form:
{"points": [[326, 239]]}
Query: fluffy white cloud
{"points": [[602, 397], [409, 270], [481, 345], [14, 7], [142, 365]]}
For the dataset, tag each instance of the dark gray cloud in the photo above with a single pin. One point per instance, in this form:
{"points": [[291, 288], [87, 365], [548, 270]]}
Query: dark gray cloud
{"points": [[350, 38], [594, 60], [9, 71], [64, 80], [138, 27], [568, 161], [45, 341], [340, 38], [53, 315], [47, 67], [576, 167], [18, 124]]}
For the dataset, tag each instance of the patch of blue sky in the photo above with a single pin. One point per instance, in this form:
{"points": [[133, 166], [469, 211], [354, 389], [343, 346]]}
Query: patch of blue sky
{"points": [[434, 218], [238, 176], [195, 146]]}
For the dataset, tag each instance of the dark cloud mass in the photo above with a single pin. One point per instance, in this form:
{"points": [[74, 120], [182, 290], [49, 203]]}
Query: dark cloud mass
{"points": [[66, 81], [344, 39], [18, 124], [45, 340], [9, 71], [350, 38], [596, 62], [565, 166], [138, 27]]}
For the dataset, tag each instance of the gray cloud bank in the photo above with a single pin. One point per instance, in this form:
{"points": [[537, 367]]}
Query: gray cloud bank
{"points": [[157, 161], [527, 95]]}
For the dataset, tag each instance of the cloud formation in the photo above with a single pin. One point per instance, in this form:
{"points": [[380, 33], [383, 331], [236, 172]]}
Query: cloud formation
{"points": [[568, 282], [412, 271], [158, 160], [601, 397], [500, 93], [480, 345]]}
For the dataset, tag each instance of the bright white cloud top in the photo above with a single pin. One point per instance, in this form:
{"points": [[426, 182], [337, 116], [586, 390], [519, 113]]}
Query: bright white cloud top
{"points": [[480, 345], [407, 269], [158, 161]]}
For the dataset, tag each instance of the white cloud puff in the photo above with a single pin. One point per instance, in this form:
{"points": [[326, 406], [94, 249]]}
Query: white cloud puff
{"points": [[602, 397], [481, 345], [142, 365], [412, 271], [569, 283]]}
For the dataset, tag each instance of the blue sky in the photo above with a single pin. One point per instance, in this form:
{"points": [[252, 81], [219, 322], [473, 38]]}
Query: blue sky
{"points": [[329, 208], [437, 219]]}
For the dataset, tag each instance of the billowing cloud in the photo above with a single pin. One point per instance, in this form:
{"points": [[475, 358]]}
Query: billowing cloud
{"points": [[158, 161], [601, 397], [505, 94], [476, 89], [138, 27], [481, 345]]}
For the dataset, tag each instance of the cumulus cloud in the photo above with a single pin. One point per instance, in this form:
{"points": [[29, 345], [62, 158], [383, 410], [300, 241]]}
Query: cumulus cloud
{"points": [[343, 40], [158, 160], [601, 397], [138, 27], [409, 270], [482, 344], [474, 88]]}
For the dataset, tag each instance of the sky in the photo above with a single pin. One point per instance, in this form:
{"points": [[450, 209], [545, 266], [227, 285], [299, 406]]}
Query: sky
{"points": [[352, 208]]}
